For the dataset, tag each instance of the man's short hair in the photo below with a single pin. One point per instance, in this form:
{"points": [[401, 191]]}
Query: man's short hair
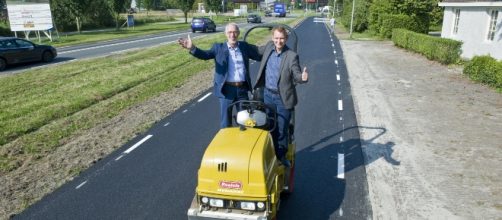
{"points": [[280, 29], [232, 24]]}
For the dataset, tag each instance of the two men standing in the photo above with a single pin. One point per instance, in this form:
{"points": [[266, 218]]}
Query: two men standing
{"points": [[279, 73]]}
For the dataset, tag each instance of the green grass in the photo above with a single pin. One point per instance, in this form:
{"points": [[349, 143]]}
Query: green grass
{"points": [[41, 108]]}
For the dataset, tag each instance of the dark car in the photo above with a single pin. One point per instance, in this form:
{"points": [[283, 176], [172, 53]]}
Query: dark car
{"points": [[15, 50], [254, 18], [268, 13], [203, 24]]}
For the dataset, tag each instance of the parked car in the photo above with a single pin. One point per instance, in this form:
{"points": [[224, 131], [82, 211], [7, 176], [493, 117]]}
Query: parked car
{"points": [[254, 18], [203, 24], [15, 50], [268, 13]]}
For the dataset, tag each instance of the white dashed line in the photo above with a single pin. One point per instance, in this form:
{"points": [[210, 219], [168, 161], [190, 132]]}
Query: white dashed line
{"points": [[341, 167], [340, 105], [204, 97], [137, 144], [333, 45], [336, 62], [341, 118], [166, 124], [185, 111], [341, 138], [337, 77], [334, 51], [80, 185], [118, 158]]}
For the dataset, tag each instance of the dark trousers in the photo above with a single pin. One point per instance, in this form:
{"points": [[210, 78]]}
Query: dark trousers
{"points": [[280, 133], [232, 94]]}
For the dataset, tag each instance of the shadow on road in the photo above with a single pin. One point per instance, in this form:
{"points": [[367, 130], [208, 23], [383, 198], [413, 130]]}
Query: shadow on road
{"points": [[318, 190]]}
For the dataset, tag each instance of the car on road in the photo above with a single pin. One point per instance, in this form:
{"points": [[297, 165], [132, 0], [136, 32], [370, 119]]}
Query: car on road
{"points": [[254, 18], [15, 50], [203, 24], [268, 13]]}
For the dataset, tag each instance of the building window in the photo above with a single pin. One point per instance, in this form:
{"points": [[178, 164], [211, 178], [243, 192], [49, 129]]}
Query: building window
{"points": [[493, 25], [455, 24]]}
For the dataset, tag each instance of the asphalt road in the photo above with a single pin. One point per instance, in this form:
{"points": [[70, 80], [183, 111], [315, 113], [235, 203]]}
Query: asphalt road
{"points": [[154, 175]]}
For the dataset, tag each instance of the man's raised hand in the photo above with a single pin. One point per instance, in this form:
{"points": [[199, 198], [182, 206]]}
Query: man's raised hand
{"points": [[186, 43], [305, 74]]}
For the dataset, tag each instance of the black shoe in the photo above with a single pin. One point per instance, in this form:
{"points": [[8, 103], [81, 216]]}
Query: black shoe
{"points": [[285, 162]]}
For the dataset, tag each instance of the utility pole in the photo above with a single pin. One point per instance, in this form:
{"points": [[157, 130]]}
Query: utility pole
{"points": [[352, 18]]}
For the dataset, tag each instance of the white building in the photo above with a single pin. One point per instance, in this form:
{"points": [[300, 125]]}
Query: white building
{"points": [[478, 24]]}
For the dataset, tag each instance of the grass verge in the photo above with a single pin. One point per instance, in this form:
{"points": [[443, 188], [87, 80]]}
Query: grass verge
{"points": [[40, 109]]}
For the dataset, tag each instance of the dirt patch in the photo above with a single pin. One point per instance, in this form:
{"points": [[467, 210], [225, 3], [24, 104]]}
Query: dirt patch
{"points": [[36, 178], [440, 156]]}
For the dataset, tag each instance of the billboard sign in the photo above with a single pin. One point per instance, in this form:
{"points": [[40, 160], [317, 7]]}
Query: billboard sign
{"points": [[29, 15]]}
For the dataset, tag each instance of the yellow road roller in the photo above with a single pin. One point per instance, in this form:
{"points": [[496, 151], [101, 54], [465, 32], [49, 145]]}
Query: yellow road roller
{"points": [[240, 177]]}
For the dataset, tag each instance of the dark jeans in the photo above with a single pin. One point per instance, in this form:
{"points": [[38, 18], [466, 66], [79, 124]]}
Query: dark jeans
{"points": [[280, 133], [232, 94]]}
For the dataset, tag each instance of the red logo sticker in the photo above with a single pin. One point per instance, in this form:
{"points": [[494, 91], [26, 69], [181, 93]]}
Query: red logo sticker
{"points": [[231, 184]]}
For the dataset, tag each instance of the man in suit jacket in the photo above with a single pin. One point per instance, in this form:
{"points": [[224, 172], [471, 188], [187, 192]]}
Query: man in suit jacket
{"points": [[231, 76], [279, 73]]}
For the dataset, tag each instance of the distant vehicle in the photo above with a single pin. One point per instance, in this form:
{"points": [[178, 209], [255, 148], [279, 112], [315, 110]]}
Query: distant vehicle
{"points": [[280, 9], [203, 24], [15, 50], [268, 13], [254, 18]]}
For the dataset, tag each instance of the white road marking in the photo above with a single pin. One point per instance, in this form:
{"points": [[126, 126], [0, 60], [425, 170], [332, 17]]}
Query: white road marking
{"points": [[341, 138], [166, 124], [184, 111], [341, 167], [80, 185], [336, 62], [127, 42], [338, 77], [137, 144], [341, 118], [340, 105], [204, 97], [334, 51], [333, 45], [118, 158]]}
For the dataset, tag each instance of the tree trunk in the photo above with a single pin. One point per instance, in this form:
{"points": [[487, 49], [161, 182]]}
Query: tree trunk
{"points": [[79, 25]]}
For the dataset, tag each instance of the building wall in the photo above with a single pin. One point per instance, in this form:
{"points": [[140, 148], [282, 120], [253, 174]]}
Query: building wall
{"points": [[473, 31]]}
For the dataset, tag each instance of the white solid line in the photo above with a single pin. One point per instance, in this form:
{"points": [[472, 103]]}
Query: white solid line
{"points": [[166, 124], [204, 97], [118, 158], [137, 144], [80, 185], [340, 105], [341, 167], [338, 77]]}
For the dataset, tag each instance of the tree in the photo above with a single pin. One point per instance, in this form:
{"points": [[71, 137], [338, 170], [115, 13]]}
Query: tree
{"points": [[213, 5], [116, 7], [149, 5], [184, 5]]}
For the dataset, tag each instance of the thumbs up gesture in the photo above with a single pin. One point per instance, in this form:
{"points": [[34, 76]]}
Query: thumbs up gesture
{"points": [[186, 43], [305, 74]]}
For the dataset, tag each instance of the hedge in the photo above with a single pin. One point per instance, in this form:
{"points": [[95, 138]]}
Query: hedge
{"points": [[388, 22], [446, 51], [485, 69]]}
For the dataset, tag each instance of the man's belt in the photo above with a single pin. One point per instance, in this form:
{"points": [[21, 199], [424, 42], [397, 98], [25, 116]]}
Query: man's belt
{"points": [[236, 84], [273, 91]]}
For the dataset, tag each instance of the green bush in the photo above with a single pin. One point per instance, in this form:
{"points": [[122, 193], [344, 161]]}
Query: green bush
{"points": [[485, 69], [445, 51], [392, 21]]}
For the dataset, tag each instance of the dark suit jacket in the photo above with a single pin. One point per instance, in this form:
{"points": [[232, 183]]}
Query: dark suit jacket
{"points": [[219, 52], [290, 74]]}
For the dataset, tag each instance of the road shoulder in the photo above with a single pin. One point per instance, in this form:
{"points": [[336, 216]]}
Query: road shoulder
{"points": [[440, 155]]}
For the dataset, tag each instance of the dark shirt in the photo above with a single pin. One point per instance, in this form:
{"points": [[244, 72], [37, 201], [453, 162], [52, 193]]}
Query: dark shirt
{"points": [[272, 71]]}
